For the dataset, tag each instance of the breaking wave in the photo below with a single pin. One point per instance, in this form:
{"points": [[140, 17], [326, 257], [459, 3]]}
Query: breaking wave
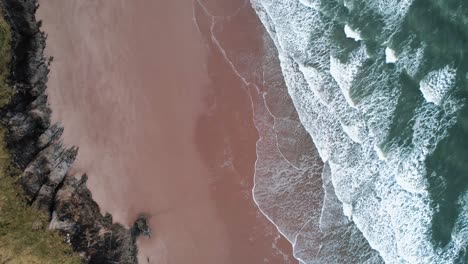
{"points": [[382, 174]]}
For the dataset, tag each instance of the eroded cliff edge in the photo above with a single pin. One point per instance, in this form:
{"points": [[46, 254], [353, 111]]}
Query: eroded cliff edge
{"points": [[42, 158]]}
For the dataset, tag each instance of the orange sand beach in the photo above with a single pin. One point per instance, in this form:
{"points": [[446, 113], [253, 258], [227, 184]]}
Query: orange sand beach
{"points": [[163, 121]]}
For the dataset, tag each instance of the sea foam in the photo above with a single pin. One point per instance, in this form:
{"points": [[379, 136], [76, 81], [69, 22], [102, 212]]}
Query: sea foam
{"points": [[375, 181], [350, 33], [437, 84], [390, 56]]}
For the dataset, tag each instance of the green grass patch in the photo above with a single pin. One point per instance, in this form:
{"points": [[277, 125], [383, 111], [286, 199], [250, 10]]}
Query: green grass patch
{"points": [[5, 57], [24, 237]]}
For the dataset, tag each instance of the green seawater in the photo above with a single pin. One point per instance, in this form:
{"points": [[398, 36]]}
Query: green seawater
{"points": [[439, 30], [443, 27]]}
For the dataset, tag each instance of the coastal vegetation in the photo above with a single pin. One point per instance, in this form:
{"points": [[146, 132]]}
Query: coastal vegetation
{"points": [[24, 237]]}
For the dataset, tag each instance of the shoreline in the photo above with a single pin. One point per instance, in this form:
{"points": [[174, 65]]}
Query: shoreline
{"points": [[38, 152], [166, 123]]}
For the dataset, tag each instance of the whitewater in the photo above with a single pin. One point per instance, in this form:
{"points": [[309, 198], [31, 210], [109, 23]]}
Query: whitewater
{"points": [[380, 90]]}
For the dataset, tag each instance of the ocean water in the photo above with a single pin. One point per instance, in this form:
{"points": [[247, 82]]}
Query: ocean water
{"points": [[380, 86]]}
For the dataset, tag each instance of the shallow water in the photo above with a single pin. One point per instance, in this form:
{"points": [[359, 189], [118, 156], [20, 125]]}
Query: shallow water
{"points": [[381, 88]]}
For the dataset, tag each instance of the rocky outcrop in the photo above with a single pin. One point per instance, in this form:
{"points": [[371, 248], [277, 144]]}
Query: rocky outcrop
{"points": [[77, 215], [43, 159], [140, 227]]}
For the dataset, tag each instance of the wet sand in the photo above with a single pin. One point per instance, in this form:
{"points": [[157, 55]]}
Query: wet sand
{"points": [[153, 95]]}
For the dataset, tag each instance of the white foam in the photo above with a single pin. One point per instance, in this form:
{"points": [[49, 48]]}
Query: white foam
{"points": [[437, 84], [392, 11], [380, 153], [328, 92], [348, 210], [411, 59], [411, 176], [385, 194], [348, 4], [315, 4], [354, 132], [350, 33], [345, 73], [390, 55]]}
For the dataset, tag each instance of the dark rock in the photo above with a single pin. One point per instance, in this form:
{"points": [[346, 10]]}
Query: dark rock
{"points": [[44, 198], [40, 112], [20, 126], [48, 167], [52, 134], [64, 226], [38, 152], [92, 233], [140, 227]]}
